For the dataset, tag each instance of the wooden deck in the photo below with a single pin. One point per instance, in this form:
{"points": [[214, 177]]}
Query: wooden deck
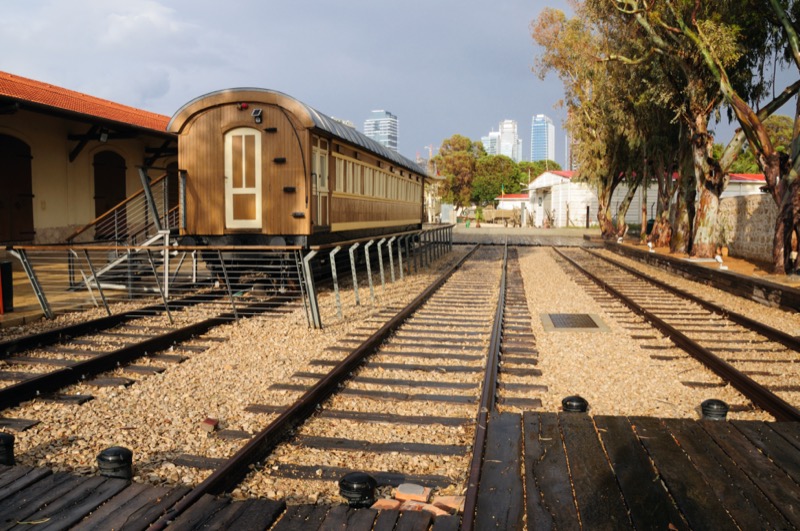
{"points": [[580, 471]]}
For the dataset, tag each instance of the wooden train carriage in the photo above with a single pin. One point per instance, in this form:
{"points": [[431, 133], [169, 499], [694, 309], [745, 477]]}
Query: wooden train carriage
{"points": [[260, 167]]}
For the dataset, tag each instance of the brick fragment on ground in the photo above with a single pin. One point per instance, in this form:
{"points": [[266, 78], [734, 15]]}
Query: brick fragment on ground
{"points": [[410, 491], [449, 503], [386, 504], [410, 505], [209, 425]]}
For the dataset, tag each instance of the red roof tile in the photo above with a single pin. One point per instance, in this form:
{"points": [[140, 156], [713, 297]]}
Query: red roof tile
{"points": [[28, 90], [748, 177], [512, 197]]}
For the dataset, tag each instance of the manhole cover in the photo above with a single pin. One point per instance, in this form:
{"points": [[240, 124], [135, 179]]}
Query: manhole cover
{"points": [[583, 322], [572, 320]]}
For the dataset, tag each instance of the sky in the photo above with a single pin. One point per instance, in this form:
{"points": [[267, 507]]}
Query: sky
{"points": [[443, 67]]}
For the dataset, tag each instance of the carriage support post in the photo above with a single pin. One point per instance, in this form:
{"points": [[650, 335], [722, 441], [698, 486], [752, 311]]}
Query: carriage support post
{"points": [[391, 257], [353, 271], [380, 263], [336, 280], [312, 292], [369, 272]]}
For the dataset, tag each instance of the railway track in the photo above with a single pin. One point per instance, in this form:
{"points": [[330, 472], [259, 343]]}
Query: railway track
{"points": [[752, 357], [408, 404], [40, 365]]}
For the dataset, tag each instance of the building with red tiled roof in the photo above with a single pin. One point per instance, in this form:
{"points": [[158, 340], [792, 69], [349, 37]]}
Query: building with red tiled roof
{"points": [[66, 157], [50, 98]]}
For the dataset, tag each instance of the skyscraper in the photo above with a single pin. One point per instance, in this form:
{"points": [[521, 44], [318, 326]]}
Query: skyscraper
{"points": [[491, 143], [509, 144], [381, 126], [543, 138]]}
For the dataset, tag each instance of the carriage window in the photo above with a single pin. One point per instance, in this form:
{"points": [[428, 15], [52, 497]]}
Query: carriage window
{"points": [[339, 181]]}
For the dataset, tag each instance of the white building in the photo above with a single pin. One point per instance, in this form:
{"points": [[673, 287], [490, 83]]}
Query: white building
{"points": [[510, 143], [556, 201], [491, 143]]}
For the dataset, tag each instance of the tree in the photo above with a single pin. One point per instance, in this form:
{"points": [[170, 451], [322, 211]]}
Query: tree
{"points": [[530, 170], [456, 161], [494, 174]]}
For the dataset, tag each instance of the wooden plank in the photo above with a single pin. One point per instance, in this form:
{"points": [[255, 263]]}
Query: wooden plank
{"points": [[132, 513], [409, 367], [111, 382], [389, 395], [521, 402], [234, 434], [414, 521], [196, 461], [788, 430], [500, 492], [143, 369], [597, 494], [252, 514], [694, 497], [744, 501], [431, 355], [394, 382], [72, 506], [520, 371], [333, 443], [330, 473], [649, 504], [386, 520], [301, 518], [361, 519], [74, 400], [18, 478], [773, 481], [519, 360], [779, 450], [505, 386], [390, 418], [16, 375], [446, 523], [549, 501], [336, 519], [21, 505], [29, 360], [200, 512]]}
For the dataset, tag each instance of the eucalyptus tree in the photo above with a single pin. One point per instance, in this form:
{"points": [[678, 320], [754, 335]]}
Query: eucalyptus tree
{"points": [[598, 118], [719, 61], [494, 175]]}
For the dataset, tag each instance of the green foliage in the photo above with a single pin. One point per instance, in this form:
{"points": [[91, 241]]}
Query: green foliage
{"points": [[531, 170], [456, 162]]}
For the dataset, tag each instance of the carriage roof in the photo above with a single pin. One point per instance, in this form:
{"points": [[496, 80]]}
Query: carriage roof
{"points": [[309, 116]]}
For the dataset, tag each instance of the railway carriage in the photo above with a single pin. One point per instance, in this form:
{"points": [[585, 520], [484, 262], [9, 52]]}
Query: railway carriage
{"points": [[258, 167]]}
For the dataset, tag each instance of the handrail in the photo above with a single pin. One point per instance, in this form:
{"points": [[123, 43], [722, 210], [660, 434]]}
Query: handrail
{"points": [[108, 213]]}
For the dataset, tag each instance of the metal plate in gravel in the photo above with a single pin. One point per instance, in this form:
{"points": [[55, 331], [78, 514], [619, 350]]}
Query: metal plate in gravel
{"points": [[583, 322]]}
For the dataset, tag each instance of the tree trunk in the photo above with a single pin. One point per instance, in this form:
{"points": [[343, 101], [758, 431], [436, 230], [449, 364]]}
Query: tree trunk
{"points": [[683, 214], [710, 182], [622, 210], [604, 194]]}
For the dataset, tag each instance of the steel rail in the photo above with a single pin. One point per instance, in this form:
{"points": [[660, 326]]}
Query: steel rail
{"points": [[51, 337], [487, 405], [760, 395], [36, 386], [765, 330], [231, 473]]}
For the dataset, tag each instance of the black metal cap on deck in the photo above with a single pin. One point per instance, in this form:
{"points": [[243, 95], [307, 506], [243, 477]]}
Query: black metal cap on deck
{"points": [[6, 449], [714, 409], [575, 404], [358, 489], [116, 462]]}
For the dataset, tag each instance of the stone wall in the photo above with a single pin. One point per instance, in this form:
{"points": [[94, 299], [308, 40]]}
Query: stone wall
{"points": [[748, 225]]}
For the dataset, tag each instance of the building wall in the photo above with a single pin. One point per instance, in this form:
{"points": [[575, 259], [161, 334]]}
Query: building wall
{"points": [[64, 191], [748, 225]]}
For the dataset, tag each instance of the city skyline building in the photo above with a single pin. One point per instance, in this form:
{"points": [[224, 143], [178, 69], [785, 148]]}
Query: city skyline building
{"points": [[382, 126], [543, 138], [509, 143], [491, 142]]}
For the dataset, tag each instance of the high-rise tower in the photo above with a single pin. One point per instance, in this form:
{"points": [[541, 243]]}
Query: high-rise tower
{"points": [[381, 126], [543, 138]]}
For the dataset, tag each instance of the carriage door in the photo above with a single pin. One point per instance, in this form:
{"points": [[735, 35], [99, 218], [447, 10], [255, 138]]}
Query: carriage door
{"points": [[16, 199], [243, 178], [319, 181]]}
